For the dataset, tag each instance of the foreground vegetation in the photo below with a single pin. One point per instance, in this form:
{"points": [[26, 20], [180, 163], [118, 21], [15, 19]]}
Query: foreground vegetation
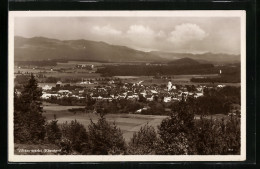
{"points": [[179, 134]]}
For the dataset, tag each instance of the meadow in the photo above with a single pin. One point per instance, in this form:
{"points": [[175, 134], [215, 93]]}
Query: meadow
{"points": [[128, 123], [67, 70]]}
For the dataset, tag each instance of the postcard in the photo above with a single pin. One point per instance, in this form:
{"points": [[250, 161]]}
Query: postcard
{"points": [[99, 86]]}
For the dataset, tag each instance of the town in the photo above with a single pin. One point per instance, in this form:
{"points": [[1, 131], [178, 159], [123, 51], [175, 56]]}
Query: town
{"points": [[162, 84], [140, 92], [116, 90]]}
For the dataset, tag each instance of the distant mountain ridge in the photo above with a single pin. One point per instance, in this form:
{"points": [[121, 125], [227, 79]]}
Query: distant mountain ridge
{"points": [[184, 61], [41, 48], [202, 58]]}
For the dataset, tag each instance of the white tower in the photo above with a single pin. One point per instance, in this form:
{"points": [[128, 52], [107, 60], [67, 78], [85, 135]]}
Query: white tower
{"points": [[169, 86], [220, 71]]}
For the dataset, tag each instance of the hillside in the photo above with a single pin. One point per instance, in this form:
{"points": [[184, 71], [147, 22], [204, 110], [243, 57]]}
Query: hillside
{"points": [[39, 48], [217, 58], [184, 61]]}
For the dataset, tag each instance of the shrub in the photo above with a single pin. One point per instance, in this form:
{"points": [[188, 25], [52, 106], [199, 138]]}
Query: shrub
{"points": [[143, 142], [105, 138], [65, 145]]}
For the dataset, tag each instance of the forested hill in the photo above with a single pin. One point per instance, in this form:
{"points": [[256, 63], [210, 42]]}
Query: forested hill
{"points": [[216, 58], [184, 61], [39, 48]]}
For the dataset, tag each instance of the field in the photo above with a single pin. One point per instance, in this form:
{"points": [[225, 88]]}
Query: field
{"points": [[176, 79], [128, 123], [67, 71]]}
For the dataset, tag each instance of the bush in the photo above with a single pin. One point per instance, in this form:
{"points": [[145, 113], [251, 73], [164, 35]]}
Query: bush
{"points": [[65, 145], [105, 138], [143, 142]]}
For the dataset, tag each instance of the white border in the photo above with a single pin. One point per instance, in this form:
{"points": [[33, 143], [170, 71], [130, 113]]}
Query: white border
{"points": [[102, 158]]}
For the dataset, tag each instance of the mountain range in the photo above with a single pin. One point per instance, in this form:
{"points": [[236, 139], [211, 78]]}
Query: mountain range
{"points": [[218, 58], [41, 48]]}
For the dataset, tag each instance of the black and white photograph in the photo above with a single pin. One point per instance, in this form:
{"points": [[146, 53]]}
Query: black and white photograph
{"points": [[127, 86]]}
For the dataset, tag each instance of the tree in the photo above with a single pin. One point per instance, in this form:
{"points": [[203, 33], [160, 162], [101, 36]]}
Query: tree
{"points": [[143, 142], [141, 98], [89, 103], [232, 135], [53, 132], [74, 137], [51, 80], [105, 138], [21, 133], [209, 138], [181, 134], [175, 132], [22, 79], [28, 111]]}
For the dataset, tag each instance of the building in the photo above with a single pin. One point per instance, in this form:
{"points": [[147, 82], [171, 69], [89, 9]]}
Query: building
{"points": [[46, 87], [64, 92], [167, 99], [58, 84], [48, 95], [149, 97], [169, 86], [84, 66], [221, 86]]}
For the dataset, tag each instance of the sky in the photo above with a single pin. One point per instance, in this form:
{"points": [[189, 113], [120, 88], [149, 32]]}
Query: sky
{"points": [[167, 34]]}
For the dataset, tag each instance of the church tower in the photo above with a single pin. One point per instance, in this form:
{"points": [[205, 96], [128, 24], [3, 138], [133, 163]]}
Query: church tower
{"points": [[169, 86]]}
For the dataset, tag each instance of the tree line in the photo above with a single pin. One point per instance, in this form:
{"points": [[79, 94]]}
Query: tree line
{"points": [[151, 70], [36, 63]]}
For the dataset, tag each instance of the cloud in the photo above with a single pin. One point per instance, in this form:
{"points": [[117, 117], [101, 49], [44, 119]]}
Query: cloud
{"points": [[105, 30], [161, 34], [142, 37], [144, 32], [140, 30], [186, 33]]}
